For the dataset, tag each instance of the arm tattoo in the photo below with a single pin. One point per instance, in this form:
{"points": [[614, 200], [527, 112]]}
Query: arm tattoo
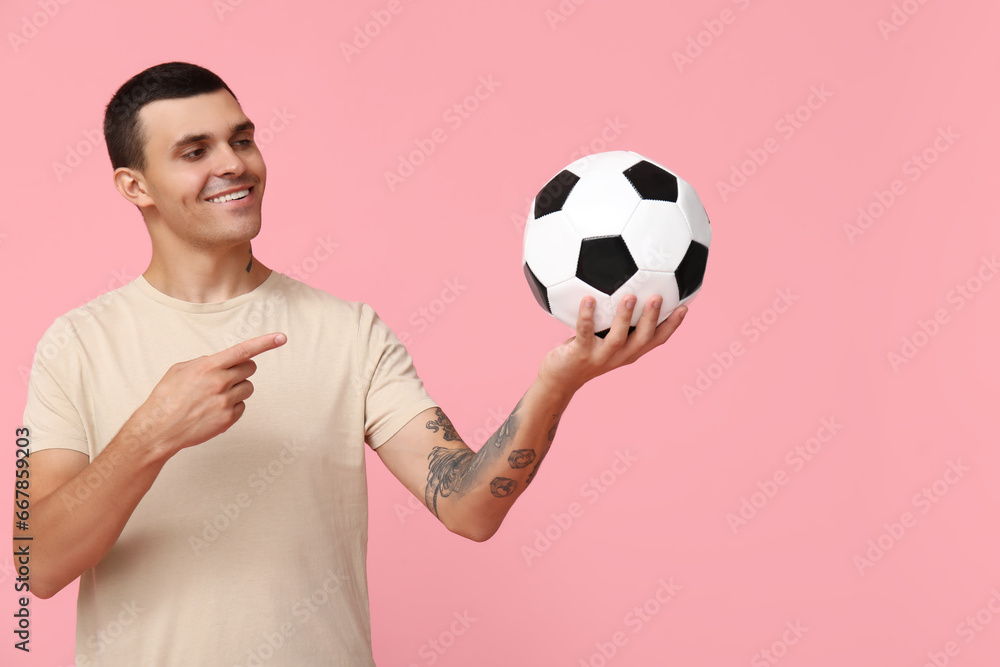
{"points": [[552, 434], [521, 458], [445, 473], [507, 429], [449, 468], [531, 476], [442, 423], [501, 487], [504, 433], [552, 431], [493, 448]]}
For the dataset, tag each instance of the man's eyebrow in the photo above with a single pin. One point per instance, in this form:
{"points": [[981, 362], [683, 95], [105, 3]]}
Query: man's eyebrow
{"points": [[194, 138]]}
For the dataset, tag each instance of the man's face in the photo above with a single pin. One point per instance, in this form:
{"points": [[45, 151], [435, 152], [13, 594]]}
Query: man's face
{"points": [[197, 150]]}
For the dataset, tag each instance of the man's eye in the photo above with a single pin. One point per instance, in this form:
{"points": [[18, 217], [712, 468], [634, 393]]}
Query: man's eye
{"points": [[193, 154], [244, 142]]}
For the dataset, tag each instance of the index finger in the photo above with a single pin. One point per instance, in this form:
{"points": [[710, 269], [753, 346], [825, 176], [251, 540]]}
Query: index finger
{"points": [[249, 349]]}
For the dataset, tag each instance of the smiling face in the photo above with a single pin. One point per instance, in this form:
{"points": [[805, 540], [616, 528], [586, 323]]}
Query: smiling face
{"points": [[204, 178]]}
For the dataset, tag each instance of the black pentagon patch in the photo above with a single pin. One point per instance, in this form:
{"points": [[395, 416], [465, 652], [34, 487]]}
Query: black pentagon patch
{"points": [[652, 182], [552, 197], [537, 288], [605, 332], [691, 270], [605, 263]]}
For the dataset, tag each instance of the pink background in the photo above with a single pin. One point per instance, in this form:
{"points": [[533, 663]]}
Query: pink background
{"points": [[562, 79]]}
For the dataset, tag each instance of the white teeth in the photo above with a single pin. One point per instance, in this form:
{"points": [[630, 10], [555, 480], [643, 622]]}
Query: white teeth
{"points": [[234, 195]]}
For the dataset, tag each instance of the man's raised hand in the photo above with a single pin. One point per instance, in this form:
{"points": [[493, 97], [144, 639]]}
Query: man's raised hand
{"points": [[585, 356], [197, 400]]}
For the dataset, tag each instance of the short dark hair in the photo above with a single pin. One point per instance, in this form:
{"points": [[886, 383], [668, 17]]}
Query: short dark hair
{"points": [[125, 139]]}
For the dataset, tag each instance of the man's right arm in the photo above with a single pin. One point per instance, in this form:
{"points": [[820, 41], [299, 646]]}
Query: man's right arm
{"points": [[78, 509]]}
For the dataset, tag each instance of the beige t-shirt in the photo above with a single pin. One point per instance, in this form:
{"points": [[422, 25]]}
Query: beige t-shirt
{"points": [[249, 549]]}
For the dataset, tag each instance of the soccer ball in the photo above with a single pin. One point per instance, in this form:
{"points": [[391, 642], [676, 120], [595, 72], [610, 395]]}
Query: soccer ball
{"points": [[611, 224]]}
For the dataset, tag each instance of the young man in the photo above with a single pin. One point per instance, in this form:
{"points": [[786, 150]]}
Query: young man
{"points": [[216, 530]]}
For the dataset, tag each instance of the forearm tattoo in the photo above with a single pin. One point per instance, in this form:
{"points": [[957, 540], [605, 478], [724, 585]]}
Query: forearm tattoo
{"points": [[492, 450], [531, 475], [501, 487], [552, 431], [521, 458], [552, 434], [507, 429]]}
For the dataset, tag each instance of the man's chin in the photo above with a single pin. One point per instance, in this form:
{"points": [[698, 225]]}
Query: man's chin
{"points": [[234, 235]]}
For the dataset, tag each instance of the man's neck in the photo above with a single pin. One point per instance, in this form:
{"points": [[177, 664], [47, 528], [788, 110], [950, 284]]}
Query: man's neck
{"points": [[207, 278]]}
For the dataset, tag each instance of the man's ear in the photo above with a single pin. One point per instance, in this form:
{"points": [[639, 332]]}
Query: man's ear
{"points": [[132, 185]]}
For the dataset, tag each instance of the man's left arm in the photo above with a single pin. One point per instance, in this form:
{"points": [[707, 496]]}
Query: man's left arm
{"points": [[471, 492]]}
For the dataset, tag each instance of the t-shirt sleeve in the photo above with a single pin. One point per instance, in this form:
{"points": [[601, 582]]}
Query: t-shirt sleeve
{"points": [[50, 414], [395, 393]]}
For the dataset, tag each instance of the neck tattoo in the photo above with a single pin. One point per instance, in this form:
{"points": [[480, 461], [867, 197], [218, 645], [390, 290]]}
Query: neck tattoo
{"points": [[251, 262]]}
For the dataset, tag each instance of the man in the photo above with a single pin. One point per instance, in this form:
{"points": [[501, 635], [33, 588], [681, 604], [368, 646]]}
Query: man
{"points": [[211, 531]]}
